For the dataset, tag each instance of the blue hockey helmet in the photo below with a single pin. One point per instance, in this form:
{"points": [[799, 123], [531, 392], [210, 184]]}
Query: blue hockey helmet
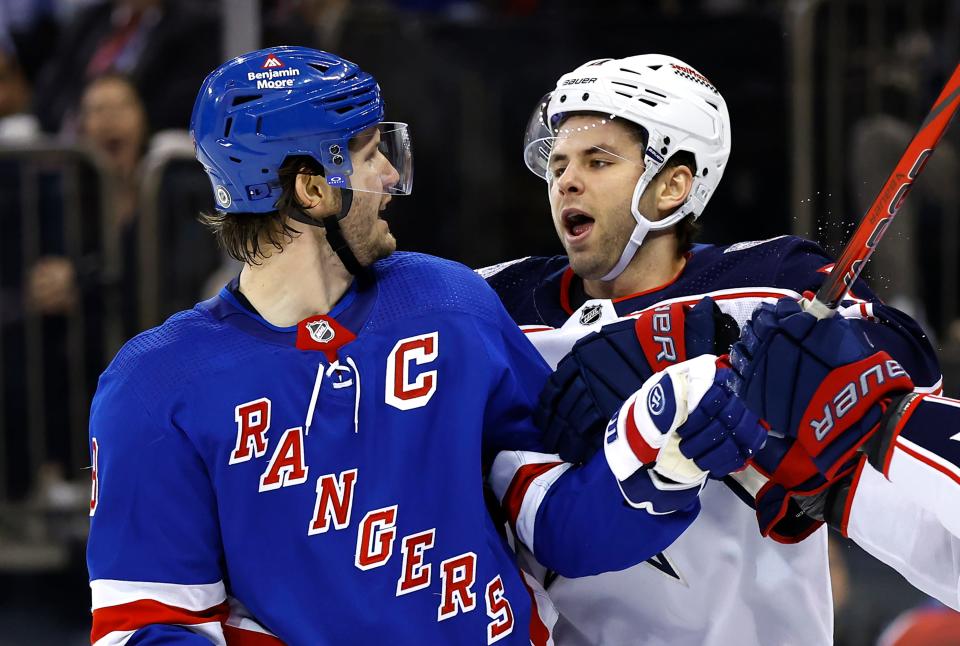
{"points": [[258, 109]]}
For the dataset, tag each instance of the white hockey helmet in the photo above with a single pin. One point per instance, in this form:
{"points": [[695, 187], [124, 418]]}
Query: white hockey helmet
{"points": [[676, 105]]}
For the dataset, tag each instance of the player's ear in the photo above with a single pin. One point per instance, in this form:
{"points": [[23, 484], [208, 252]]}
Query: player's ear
{"points": [[314, 195], [674, 187]]}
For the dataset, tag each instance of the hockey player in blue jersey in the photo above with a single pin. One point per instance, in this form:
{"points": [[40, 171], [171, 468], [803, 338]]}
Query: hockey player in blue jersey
{"points": [[302, 459], [632, 151]]}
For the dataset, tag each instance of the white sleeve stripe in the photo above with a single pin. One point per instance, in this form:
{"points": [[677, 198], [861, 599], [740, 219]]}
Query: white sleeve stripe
{"points": [[116, 638], [492, 270], [212, 630], [536, 492], [193, 597], [935, 389], [507, 463], [946, 401], [923, 455], [241, 619], [760, 294]]}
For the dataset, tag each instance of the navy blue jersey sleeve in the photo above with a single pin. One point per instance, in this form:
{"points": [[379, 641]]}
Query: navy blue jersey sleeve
{"points": [[154, 553], [804, 267], [555, 507]]}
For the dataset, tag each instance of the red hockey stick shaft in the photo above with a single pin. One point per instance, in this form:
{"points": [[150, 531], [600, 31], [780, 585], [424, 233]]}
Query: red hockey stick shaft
{"points": [[888, 201]]}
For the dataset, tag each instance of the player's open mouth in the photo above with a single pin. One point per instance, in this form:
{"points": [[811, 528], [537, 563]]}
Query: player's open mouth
{"points": [[576, 223]]}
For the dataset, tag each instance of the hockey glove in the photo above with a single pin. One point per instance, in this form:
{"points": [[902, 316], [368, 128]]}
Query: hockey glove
{"points": [[605, 367], [820, 383], [822, 388], [682, 426]]}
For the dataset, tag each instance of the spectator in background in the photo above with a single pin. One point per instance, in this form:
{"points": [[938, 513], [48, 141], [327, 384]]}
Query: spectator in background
{"points": [[162, 45], [16, 122], [113, 123]]}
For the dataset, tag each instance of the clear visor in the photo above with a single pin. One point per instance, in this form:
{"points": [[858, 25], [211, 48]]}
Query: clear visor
{"points": [[538, 138], [549, 147], [383, 167]]}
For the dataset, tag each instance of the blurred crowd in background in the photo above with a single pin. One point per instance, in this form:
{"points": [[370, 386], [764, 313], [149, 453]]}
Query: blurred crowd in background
{"points": [[99, 192]]}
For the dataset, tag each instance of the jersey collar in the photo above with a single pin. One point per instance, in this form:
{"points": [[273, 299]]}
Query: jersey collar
{"points": [[351, 312]]}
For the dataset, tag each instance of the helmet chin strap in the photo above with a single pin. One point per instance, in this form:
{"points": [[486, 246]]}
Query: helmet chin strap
{"points": [[644, 225], [331, 224]]}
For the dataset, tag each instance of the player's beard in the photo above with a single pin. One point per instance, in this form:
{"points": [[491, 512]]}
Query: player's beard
{"points": [[610, 237], [366, 234]]}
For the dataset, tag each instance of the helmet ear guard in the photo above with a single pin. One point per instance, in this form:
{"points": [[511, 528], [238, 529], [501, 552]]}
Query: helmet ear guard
{"points": [[678, 108]]}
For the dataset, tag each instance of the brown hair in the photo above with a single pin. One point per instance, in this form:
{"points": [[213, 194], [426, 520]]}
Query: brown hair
{"points": [[246, 236]]}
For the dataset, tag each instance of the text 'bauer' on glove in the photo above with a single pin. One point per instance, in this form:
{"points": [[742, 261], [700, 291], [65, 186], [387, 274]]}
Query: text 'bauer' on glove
{"points": [[681, 427], [823, 388], [606, 367]]}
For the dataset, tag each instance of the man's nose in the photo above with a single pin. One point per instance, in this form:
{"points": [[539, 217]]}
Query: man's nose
{"points": [[570, 181], [390, 176]]}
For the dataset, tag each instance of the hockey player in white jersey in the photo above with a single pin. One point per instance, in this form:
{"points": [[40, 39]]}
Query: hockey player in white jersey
{"points": [[632, 151]]}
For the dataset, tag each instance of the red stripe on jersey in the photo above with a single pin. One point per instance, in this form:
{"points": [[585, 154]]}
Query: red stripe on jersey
{"points": [[539, 633], [239, 637], [922, 458], [137, 614], [640, 447], [848, 504], [901, 423], [528, 330], [716, 297], [522, 480], [686, 257]]}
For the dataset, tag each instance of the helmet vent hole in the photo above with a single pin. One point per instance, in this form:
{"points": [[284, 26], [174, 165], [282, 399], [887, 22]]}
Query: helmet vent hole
{"points": [[344, 109], [629, 85], [240, 100], [586, 95], [563, 98], [226, 129], [704, 172], [624, 69], [655, 93], [713, 105], [265, 171], [654, 67], [652, 104], [666, 140], [319, 66], [235, 160], [629, 96]]}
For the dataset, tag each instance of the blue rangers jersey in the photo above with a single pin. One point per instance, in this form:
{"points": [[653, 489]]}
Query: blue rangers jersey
{"points": [[324, 483], [720, 583]]}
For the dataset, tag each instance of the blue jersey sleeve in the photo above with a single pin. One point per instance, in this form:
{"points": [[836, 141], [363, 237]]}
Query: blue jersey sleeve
{"points": [[154, 553], [805, 267], [554, 507]]}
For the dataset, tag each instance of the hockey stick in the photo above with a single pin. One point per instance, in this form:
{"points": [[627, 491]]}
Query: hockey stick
{"points": [[888, 202]]}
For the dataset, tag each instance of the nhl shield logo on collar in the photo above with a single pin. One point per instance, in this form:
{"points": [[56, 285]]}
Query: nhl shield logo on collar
{"points": [[324, 334], [591, 314], [321, 331]]}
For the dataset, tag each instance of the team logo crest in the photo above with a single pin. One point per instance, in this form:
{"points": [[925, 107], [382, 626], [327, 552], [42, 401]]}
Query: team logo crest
{"points": [[321, 331], [656, 400], [590, 314], [272, 62], [223, 197]]}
